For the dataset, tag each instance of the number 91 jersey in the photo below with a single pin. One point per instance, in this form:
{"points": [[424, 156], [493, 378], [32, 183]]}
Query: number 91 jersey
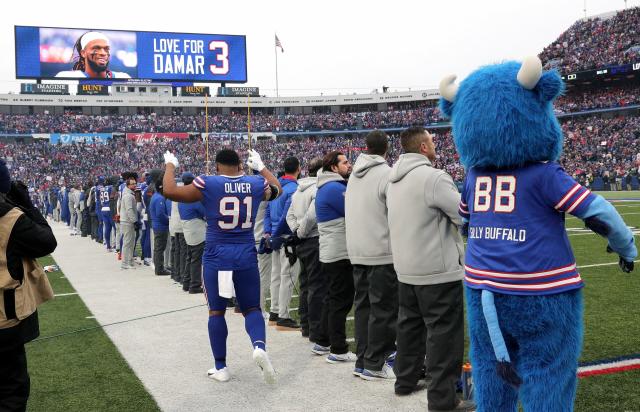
{"points": [[517, 243], [231, 204]]}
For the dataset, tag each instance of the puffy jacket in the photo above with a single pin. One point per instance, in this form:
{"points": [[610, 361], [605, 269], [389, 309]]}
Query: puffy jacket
{"points": [[423, 223], [366, 212], [330, 216], [301, 216]]}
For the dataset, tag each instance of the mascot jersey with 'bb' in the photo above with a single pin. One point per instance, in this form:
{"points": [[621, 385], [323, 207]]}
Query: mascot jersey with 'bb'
{"points": [[517, 243], [524, 297]]}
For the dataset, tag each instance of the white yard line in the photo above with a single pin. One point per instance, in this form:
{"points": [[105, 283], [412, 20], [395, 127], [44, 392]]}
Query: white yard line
{"points": [[65, 294], [601, 264]]}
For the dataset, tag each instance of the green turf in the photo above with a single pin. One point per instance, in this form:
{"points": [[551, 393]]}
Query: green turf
{"points": [[625, 194], [80, 371]]}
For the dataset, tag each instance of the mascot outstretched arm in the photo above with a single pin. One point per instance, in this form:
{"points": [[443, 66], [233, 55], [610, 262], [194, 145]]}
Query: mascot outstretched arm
{"points": [[524, 299]]}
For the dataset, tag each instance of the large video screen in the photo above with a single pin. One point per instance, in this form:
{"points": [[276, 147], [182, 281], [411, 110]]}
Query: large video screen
{"points": [[80, 54]]}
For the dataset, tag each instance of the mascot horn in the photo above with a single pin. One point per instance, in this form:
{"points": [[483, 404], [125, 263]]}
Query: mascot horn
{"points": [[524, 299]]}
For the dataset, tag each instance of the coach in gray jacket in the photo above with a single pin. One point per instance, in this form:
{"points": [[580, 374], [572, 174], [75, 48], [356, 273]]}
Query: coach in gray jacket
{"points": [[301, 218], [376, 283], [128, 219], [428, 257]]}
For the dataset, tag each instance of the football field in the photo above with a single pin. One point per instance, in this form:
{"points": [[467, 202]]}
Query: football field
{"points": [[138, 363]]}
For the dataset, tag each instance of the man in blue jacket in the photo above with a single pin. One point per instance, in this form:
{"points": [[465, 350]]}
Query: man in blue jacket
{"points": [[194, 225], [336, 266], [276, 229], [159, 215]]}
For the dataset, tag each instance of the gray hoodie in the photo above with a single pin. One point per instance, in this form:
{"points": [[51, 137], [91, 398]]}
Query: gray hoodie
{"points": [[366, 212], [301, 216], [423, 223]]}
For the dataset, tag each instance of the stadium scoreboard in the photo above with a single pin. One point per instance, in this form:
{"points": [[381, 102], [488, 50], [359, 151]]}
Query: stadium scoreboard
{"points": [[50, 53], [610, 71]]}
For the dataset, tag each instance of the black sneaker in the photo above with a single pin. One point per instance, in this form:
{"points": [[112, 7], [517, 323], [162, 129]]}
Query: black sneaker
{"points": [[305, 332], [163, 273], [193, 291], [404, 391], [463, 406], [285, 324], [273, 318], [185, 288]]}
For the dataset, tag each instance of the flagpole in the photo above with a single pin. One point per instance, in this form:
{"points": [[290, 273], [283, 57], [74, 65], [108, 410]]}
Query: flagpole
{"points": [[206, 128], [275, 49]]}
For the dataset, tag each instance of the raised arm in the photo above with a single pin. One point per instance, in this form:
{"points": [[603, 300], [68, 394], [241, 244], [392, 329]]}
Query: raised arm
{"points": [[170, 190]]}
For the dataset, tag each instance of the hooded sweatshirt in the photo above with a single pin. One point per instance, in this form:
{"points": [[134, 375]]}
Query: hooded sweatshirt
{"points": [[330, 216], [301, 216], [423, 223], [366, 212]]}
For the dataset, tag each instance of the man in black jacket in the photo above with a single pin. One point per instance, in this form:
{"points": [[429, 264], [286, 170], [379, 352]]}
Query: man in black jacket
{"points": [[30, 237]]}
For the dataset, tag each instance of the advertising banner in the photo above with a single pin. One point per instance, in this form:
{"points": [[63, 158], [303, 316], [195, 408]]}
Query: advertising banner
{"points": [[151, 137], [93, 89], [44, 88], [68, 138], [238, 91]]}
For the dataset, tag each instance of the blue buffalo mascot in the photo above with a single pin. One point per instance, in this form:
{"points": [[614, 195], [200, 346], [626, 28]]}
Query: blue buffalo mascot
{"points": [[524, 291]]}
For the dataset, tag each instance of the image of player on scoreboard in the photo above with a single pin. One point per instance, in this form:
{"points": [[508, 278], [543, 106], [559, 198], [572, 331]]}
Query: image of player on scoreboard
{"points": [[92, 52]]}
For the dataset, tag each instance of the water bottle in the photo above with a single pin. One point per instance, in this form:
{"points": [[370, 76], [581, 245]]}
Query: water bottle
{"points": [[467, 382]]}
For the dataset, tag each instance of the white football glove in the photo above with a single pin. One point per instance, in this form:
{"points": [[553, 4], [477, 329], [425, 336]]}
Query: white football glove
{"points": [[171, 158], [254, 161]]}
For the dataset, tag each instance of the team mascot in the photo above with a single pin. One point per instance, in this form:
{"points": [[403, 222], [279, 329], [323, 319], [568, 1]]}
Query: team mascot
{"points": [[524, 298]]}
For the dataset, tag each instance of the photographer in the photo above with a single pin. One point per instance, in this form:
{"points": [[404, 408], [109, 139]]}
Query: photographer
{"points": [[24, 236]]}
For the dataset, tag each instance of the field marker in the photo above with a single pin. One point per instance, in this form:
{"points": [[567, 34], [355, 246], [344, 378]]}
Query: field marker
{"points": [[601, 264], [65, 294]]}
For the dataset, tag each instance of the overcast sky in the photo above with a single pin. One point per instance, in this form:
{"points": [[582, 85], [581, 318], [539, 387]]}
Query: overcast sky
{"points": [[332, 46]]}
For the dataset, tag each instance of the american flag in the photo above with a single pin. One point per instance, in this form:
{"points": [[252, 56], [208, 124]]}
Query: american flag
{"points": [[278, 44]]}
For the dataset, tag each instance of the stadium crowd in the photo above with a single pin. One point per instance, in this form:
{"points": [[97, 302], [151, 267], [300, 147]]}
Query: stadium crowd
{"points": [[427, 114], [594, 146], [234, 122], [605, 98], [595, 43]]}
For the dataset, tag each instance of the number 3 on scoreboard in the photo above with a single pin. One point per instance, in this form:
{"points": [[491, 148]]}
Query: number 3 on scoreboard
{"points": [[223, 57], [505, 199], [234, 212]]}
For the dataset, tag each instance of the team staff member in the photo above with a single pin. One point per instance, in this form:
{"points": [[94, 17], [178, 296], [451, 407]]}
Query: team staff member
{"points": [[336, 268], [195, 227], [301, 219], [128, 220], [427, 256], [376, 283], [159, 215], [283, 274], [24, 234]]}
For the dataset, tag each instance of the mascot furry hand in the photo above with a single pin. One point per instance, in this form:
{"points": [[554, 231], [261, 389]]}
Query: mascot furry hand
{"points": [[524, 299]]}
